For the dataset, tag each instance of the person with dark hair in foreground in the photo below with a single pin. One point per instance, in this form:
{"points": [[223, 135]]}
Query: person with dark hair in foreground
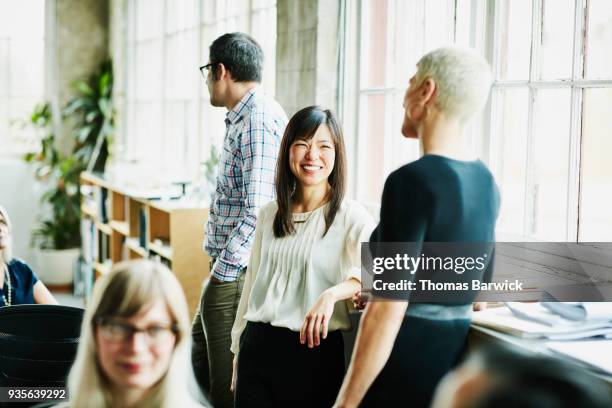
{"points": [[254, 126], [305, 262], [502, 378]]}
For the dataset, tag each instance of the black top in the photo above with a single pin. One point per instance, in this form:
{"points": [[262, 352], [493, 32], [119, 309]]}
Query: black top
{"points": [[22, 284], [437, 199]]}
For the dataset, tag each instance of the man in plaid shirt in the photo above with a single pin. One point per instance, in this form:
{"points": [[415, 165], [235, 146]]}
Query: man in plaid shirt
{"points": [[254, 127]]}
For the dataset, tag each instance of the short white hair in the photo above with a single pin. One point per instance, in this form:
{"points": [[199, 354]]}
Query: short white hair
{"points": [[463, 80]]}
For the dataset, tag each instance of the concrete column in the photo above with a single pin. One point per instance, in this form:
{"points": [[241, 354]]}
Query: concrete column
{"points": [[77, 42], [307, 53]]}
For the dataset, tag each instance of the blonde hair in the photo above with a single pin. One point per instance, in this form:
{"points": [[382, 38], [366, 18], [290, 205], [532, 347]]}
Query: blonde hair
{"points": [[128, 288], [463, 80], [6, 255]]}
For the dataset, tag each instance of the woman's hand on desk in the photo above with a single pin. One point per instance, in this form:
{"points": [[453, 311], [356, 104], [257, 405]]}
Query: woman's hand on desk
{"points": [[317, 320], [478, 306]]}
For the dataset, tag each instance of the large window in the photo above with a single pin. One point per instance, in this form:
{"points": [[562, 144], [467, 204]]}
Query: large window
{"points": [[544, 134], [21, 71], [549, 131], [171, 125], [384, 40]]}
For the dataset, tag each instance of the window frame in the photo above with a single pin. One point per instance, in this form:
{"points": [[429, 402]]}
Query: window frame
{"points": [[576, 84], [485, 27], [211, 15]]}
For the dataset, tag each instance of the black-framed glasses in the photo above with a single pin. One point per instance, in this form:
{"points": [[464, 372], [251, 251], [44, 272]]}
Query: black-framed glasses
{"points": [[117, 331], [205, 68]]}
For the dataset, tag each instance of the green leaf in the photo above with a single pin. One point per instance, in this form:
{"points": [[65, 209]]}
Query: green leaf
{"points": [[83, 87], [104, 82]]}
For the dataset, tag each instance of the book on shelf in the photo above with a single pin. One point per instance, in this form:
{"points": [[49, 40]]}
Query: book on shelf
{"points": [[79, 285], [142, 227], [103, 247], [87, 241]]}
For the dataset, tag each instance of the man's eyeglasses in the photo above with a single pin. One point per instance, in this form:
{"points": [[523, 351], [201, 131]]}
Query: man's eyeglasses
{"points": [[116, 331], [205, 68]]}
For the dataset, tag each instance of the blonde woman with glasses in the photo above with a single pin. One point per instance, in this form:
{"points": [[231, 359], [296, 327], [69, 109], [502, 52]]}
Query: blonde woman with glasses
{"points": [[135, 342]]}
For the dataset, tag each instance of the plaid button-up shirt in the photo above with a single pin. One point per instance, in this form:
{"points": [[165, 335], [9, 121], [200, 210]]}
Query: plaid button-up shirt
{"points": [[247, 165]]}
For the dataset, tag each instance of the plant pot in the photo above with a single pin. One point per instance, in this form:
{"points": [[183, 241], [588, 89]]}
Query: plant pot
{"points": [[56, 267]]}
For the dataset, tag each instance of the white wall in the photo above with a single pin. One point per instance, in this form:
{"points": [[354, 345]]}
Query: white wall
{"points": [[20, 195]]}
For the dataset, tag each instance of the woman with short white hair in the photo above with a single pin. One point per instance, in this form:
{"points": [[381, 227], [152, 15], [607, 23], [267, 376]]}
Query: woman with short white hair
{"points": [[404, 348], [135, 342]]}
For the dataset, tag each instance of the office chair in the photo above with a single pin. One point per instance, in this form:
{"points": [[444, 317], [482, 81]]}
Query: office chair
{"points": [[38, 344]]}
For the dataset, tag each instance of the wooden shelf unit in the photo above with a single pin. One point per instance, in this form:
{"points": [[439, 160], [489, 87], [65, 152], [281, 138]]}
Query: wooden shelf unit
{"points": [[121, 225]]}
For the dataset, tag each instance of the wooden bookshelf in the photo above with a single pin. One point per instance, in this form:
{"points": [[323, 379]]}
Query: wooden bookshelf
{"points": [[120, 224]]}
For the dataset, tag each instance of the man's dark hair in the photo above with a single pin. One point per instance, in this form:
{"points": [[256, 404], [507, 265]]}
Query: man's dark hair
{"points": [[527, 380], [241, 55]]}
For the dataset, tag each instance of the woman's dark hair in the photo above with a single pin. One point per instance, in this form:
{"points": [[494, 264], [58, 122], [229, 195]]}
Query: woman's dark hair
{"points": [[302, 126], [241, 55]]}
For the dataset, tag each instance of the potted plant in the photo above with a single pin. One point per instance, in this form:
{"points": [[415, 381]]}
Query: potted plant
{"points": [[92, 108], [57, 238]]}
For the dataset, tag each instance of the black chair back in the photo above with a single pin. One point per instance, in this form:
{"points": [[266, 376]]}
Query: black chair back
{"points": [[38, 344]]}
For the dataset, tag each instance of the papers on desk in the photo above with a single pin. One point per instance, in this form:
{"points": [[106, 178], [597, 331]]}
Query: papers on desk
{"points": [[532, 320], [595, 354]]}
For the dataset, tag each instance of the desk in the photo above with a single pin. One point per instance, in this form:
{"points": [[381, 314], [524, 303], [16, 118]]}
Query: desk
{"points": [[484, 336]]}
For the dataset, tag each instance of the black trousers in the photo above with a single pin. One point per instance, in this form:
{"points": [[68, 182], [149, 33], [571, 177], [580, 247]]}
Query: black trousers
{"points": [[424, 351], [275, 370]]}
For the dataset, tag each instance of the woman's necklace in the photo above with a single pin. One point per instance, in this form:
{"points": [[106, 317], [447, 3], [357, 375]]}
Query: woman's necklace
{"points": [[7, 302], [305, 220]]}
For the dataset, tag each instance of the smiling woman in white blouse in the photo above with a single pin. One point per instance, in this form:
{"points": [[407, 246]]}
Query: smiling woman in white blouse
{"points": [[305, 261]]}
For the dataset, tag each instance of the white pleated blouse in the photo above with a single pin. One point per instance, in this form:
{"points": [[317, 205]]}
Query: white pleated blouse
{"points": [[287, 275]]}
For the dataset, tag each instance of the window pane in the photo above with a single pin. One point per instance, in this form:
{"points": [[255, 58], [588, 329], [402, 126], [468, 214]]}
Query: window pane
{"points": [[408, 16], [179, 134], [372, 148], [148, 75], [263, 29], [439, 23], [181, 15], [599, 37], [557, 39], [510, 132], [22, 138], [5, 48], [212, 127], [374, 44], [149, 19], [182, 74], [596, 170], [514, 41], [22, 26], [551, 141], [4, 124], [148, 133], [400, 150], [26, 68]]}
